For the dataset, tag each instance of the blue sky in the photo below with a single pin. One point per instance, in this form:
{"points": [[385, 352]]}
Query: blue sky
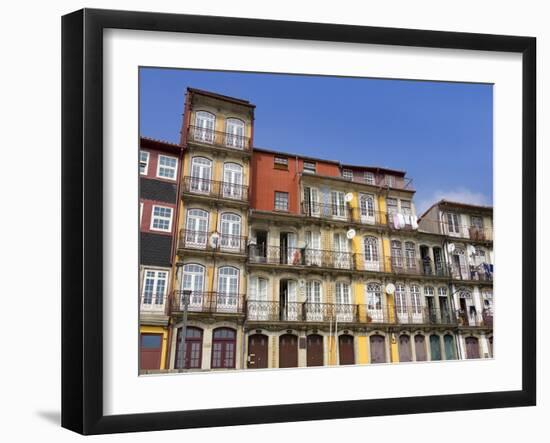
{"points": [[440, 133]]}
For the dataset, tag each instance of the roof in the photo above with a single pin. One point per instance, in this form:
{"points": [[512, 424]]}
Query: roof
{"points": [[236, 100], [160, 145], [462, 205], [376, 168]]}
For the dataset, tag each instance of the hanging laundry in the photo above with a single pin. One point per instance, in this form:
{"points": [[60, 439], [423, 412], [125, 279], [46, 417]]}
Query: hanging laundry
{"points": [[414, 222], [401, 220], [396, 221]]}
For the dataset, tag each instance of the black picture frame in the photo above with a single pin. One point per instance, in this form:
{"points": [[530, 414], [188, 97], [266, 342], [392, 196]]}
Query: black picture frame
{"points": [[82, 215]]}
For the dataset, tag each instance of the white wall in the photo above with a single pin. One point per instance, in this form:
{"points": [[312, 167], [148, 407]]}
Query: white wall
{"points": [[30, 102]]}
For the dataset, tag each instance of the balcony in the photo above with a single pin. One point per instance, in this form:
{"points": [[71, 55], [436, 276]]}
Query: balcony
{"points": [[473, 319], [269, 311], [326, 211], [212, 242], [482, 272], [215, 189], [474, 233], [225, 140], [277, 255], [209, 302], [415, 266]]}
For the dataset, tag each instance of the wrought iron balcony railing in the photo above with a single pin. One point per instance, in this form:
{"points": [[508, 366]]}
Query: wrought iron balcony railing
{"points": [[213, 241], [301, 257], [479, 272], [258, 310], [216, 138], [215, 189], [326, 211], [485, 319], [416, 266], [209, 302]]}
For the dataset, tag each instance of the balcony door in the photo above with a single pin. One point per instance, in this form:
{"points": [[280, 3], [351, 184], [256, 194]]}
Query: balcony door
{"points": [[258, 306], [232, 181], [196, 228], [366, 208], [344, 308], [193, 280], [374, 303], [338, 204], [401, 307], [201, 174], [311, 202], [234, 137], [372, 261], [288, 305], [228, 289], [204, 127], [416, 305], [230, 227], [340, 251], [313, 248], [289, 253], [314, 297]]}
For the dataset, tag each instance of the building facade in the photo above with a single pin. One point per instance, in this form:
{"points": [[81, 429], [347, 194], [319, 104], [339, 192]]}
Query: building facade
{"points": [[159, 177], [290, 261]]}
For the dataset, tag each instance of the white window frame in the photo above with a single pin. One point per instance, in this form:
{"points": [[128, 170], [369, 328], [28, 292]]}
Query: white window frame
{"points": [[347, 174], [153, 217], [275, 201], [146, 162], [311, 168], [369, 178], [154, 297], [175, 168]]}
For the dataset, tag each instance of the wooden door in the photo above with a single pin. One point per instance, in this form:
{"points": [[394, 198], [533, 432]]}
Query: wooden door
{"points": [[435, 347], [345, 346], [257, 351], [151, 351], [472, 347], [420, 348], [377, 349], [449, 343], [314, 350], [288, 351], [405, 348]]}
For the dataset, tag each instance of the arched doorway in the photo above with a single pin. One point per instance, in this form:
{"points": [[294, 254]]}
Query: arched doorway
{"points": [[257, 351], [315, 350], [472, 347], [420, 347], [288, 351], [345, 349], [405, 348], [377, 349]]}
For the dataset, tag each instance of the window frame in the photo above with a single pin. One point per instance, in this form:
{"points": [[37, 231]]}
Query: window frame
{"points": [[310, 170], [347, 174], [141, 151], [280, 162], [175, 167], [152, 228], [275, 201], [156, 279]]}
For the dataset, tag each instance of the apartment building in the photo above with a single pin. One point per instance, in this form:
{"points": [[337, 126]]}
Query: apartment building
{"points": [[159, 175], [468, 247], [283, 260]]}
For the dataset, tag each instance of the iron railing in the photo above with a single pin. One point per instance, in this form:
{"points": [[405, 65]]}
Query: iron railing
{"points": [[479, 272], [469, 319], [326, 211], [301, 257], [259, 310], [217, 138], [368, 217], [202, 240], [209, 302], [216, 189], [416, 266]]}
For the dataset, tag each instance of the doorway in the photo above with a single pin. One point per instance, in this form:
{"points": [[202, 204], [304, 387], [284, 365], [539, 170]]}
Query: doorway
{"points": [[288, 351], [315, 350], [257, 351]]}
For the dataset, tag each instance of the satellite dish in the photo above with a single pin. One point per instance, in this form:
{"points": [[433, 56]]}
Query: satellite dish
{"points": [[350, 234], [214, 240], [390, 288], [348, 197], [451, 247]]}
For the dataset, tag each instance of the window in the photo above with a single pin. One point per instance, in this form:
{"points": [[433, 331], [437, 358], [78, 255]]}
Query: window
{"points": [[309, 167], [154, 287], [193, 280], [347, 174], [338, 204], [374, 296], [392, 205], [369, 178], [406, 207], [161, 219], [257, 289], [205, 122], [453, 223], [410, 255], [342, 293], [366, 206], [396, 254], [476, 221], [230, 227], [232, 180], [228, 288], [442, 291], [143, 162], [400, 300], [313, 292], [196, 228], [280, 162], [167, 167], [223, 348], [201, 171], [234, 137], [390, 181], [415, 300], [281, 201]]}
